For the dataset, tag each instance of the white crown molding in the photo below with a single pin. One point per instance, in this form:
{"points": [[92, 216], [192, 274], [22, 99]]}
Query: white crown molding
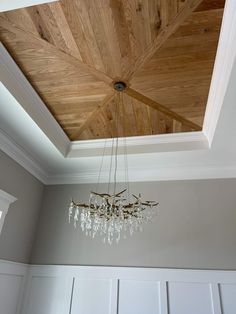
{"points": [[141, 144], [17, 84], [7, 5], [149, 174], [224, 61], [23, 158]]}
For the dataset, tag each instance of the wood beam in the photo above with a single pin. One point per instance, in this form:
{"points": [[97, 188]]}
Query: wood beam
{"points": [[164, 34], [54, 50], [93, 115], [173, 115]]}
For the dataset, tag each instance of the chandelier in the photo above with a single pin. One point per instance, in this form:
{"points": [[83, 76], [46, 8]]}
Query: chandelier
{"points": [[111, 214]]}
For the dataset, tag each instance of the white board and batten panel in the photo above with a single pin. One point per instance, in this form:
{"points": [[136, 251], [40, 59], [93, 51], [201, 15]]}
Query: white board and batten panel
{"points": [[228, 298], [92, 296], [47, 295], [112, 290], [12, 284], [138, 297], [10, 287], [186, 298], [127, 290]]}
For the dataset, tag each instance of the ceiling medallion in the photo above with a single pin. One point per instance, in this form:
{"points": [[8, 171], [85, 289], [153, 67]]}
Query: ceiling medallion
{"points": [[112, 214], [119, 86]]}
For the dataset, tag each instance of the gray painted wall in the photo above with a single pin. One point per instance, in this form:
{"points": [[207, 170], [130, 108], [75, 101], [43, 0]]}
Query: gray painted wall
{"points": [[19, 227], [195, 228]]}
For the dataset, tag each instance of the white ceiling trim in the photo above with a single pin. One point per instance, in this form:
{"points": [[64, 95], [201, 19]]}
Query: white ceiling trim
{"points": [[149, 174], [23, 158], [141, 144], [225, 57], [7, 5], [19, 87]]}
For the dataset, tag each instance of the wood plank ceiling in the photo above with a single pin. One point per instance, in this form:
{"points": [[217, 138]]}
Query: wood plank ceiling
{"points": [[72, 51]]}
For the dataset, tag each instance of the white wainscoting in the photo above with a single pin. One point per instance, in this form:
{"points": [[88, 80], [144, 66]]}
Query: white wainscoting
{"points": [[124, 290], [114, 290], [12, 283]]}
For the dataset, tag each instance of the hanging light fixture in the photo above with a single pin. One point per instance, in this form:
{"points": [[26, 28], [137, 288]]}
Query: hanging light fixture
{"points": [[112, 213]]}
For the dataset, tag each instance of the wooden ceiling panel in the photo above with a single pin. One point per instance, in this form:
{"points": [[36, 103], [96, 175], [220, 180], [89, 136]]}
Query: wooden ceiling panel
{"points": [[179, 74], [108, 35], [48, 22], [111, 34], [70, 93], [132, 117], [72, 51], [211, 5], [20, 18]]}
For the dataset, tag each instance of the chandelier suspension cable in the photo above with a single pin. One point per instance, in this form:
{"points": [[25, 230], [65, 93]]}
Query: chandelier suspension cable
{"points": [[127, 172], [112, 215], [126, 163], [100, 169], [110, 169], [116, 149]]}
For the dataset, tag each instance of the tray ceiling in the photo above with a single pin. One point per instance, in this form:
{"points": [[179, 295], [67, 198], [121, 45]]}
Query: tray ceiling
{"points": [[73, 51]]}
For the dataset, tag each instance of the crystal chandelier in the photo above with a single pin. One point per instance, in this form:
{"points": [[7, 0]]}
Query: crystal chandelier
{"points": [[111, 214]]}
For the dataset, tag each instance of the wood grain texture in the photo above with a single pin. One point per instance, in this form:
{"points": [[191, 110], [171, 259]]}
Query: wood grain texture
{"points": [[210, 5], [171, 114], [69, 91], [179, 74], [172, 20], [24, 35], [93, 116], [130, 118], [72, 51]]}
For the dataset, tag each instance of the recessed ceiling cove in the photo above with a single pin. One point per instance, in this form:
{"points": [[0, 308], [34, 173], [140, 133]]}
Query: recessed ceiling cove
{"points": [[74, 51]]}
